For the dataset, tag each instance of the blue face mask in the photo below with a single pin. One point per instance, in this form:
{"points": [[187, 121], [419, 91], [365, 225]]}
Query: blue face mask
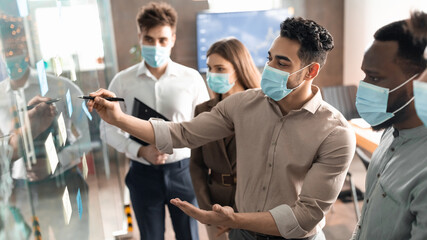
{"points": [[219, 82], [420, 95], [274, 82], [16, 66], [155, 56], [372, 102]]}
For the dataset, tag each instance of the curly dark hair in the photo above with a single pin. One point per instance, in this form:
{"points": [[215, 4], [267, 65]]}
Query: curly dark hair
{"points": [[315, 40], [417, 24], [156, 14], [410, 53]]}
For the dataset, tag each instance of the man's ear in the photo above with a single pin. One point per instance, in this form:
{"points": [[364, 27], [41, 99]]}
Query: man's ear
{"points": [[140, 37], [173, 40], [313, 71]]}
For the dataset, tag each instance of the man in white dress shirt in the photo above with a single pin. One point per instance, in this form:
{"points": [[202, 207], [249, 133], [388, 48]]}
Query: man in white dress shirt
{"points": [[172, 90]]}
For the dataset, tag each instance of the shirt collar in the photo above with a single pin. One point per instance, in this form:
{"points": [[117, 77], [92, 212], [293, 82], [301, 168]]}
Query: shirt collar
{"points": [[171, 69], [32, 79], [411, 133], [312, 105]]}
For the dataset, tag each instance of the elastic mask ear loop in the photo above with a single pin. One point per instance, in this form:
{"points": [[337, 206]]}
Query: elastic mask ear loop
{"points": [[410, 100], [406, 104], [296, 72], [394, 89]]}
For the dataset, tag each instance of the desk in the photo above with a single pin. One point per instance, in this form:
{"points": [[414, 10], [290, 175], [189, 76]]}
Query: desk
{"points": [[366, 138]]}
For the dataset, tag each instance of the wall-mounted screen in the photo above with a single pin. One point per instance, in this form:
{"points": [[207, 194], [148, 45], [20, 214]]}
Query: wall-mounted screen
{"points": [[255, 29]]}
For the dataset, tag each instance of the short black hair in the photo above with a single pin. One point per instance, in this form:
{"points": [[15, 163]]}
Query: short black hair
{"points": [[410, 53], [315, 40]]}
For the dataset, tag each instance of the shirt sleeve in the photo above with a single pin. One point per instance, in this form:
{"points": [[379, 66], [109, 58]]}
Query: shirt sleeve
{"points": [[206, 127], [114, 136], [199, 175], [321, 186], [418, 208]]}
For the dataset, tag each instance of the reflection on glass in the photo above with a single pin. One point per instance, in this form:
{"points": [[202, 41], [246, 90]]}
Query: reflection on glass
{"points": [[45, 53], [60, 136]]}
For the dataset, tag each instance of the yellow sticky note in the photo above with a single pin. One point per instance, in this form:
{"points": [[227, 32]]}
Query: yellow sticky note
{"points": [[62, 129], [51, 153], [84, 163], [57, 66], [67, 206]]}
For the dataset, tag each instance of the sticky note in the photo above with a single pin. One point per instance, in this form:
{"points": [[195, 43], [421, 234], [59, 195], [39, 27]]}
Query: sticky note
{"points": [[23, 7], [51, 153], [57, 66], [79, 204], [69, 103], [73, 75], [62, 129], [67, 206], [41, 71], [86, 110], [84, 164]]}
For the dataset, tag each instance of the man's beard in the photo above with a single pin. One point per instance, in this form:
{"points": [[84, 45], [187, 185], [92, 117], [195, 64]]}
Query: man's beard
{"points": [[399, 116]]}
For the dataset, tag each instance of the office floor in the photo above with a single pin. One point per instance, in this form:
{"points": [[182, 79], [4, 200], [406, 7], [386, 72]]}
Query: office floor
{"points": [[340, 221]]}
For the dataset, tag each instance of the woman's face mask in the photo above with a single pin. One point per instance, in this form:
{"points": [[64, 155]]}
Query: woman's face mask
{"points": [[219, 82], [372, 102]]}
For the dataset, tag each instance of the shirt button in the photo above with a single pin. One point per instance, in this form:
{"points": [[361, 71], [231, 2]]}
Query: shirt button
{"points": [[384, 195], [263, 188], [392, 149], [273, 143], [367, 200], [258, 210], [378, 175], [360, 227], [270, 165]]}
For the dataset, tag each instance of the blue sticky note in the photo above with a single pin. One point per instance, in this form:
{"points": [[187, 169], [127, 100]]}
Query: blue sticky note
{"points": [[69, 103], [42, 78], [23, 7], [86, 110], [79, 204]]}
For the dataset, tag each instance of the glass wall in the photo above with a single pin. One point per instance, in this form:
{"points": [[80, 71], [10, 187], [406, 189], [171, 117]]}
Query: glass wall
{"points": [[54, 168]]}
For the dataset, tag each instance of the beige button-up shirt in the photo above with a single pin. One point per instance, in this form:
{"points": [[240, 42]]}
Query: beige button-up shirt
{"points": [[293, 166]]}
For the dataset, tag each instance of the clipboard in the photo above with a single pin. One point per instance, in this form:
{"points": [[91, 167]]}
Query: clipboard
{"points": [[142, 111]]}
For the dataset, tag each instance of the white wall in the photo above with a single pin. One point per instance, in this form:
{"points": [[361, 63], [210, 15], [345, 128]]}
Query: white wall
{"points": [[361, 19]]}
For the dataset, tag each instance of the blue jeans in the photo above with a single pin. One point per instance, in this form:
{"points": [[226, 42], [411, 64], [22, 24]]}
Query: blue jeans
{"points": [[153, 186]]}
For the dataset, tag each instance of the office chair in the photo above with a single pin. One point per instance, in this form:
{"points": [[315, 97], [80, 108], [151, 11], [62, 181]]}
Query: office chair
{"points": [[343, 98]]}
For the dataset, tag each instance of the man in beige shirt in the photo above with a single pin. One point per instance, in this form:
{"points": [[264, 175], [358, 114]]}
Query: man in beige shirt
{"points": [[293, 149]]}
